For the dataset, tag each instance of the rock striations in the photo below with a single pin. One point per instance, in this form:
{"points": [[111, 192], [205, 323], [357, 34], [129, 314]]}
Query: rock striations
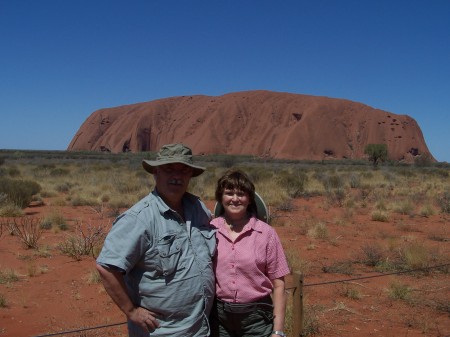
{"points": [[259, 123]]}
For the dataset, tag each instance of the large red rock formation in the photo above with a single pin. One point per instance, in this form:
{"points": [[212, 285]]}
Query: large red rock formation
{"points": [[259, 123]]}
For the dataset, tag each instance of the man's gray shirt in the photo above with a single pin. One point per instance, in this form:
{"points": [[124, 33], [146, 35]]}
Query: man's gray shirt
{"points": [[167, 263]]}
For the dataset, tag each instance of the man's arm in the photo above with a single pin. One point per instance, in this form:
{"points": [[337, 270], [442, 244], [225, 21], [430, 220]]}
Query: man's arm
{"points": [[114, 284]]}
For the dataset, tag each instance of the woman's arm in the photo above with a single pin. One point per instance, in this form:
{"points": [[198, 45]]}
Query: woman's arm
{"points": [[279, 304]]}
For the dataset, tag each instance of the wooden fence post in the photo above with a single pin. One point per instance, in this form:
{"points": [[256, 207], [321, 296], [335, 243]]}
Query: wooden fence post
{"points": [[297, 310]]}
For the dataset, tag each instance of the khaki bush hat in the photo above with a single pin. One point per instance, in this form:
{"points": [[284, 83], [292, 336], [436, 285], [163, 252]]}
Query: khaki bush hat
{"points": [[172, 154], [261, 210]]}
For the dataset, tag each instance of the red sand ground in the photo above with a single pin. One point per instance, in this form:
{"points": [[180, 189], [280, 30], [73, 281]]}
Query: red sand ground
{"points": [[59, 296]]}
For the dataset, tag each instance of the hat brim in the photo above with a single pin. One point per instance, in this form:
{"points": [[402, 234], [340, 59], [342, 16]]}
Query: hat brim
{"points": [[261, 210], [150, 165]]}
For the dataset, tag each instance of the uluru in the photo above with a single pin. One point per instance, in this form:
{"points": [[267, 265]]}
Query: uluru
{"points": [[259, 123]]}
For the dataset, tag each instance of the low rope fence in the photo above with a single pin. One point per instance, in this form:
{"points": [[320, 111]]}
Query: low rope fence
{"points": [[294, 283]]}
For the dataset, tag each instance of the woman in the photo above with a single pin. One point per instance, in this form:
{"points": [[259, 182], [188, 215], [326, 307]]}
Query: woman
{"points": [[250, 265]]}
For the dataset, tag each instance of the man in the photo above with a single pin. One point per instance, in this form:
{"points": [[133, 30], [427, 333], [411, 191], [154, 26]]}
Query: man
{"points": [[156, 262]]}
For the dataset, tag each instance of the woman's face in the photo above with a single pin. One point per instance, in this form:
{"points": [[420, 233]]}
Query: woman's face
{"points": [[235, 203]]}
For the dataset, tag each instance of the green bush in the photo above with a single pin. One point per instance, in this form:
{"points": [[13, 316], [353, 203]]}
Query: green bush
{"points": [[19, 192], [376, 152]]}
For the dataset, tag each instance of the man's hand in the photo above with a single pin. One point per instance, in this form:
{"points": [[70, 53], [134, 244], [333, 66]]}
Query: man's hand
{"points": [[144, 318]]}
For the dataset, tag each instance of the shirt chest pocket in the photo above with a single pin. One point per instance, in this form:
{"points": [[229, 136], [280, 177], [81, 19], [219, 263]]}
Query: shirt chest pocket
{"points": [[209, 237], [170, 248]]}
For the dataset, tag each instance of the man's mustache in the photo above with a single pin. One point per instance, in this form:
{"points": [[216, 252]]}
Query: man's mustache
{"points": [[176, 182]]}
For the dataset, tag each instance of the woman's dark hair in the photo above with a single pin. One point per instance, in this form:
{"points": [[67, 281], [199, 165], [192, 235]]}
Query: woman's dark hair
{"points": [[236, 180]]}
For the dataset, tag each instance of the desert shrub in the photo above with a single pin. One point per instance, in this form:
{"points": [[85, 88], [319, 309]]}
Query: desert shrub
{"points": [[311, 322], [46, 224], [399, 291], [379, 215], [10, 210], [405, 207], [426, 210], [59, 172], [19, 192], [351, 292], [354, 180], [295, 263], [443, 201], [8, 276], [406, 172], [423, 160], [364, 193], [94, 277], [53, 219], [319, 231], [294, 183], [336, 197], [117, 203], [333, 181], [28, 230], [64, 187], [373, 255], [339, 267], [381, 205], [415, 255], [256, 174], [3, 302], [3, 198], [79, 200], [85, 242], [13, 171], [286, 206]]}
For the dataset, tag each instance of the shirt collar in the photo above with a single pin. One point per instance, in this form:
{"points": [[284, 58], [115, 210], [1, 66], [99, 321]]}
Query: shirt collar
{"points": [[163, 207], [253, 224]]}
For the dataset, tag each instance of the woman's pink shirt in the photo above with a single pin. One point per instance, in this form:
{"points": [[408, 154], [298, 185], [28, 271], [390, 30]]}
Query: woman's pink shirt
{"points": [[246, 267]]}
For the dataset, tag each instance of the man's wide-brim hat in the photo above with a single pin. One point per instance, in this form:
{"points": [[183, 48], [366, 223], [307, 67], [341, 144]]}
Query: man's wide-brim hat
{"points": [[261, 210], [173, 154]]}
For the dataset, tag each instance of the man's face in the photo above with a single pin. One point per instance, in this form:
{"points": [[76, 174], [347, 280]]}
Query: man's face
{"points": [[172, 180]]}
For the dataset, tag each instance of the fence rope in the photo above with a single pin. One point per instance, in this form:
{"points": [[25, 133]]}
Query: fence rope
{"points": [[81, 330], [374, 276], [305, 285]]}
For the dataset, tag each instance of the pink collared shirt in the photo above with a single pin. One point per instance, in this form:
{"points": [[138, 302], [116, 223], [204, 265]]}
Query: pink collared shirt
{"points": [[244, 268]]}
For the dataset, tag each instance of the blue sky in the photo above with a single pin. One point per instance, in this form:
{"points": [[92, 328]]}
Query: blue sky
{"points": [[61, 60]]}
